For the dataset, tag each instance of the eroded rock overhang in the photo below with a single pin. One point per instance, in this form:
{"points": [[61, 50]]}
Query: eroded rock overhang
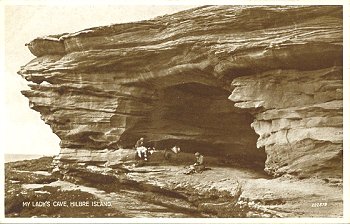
{"points": [[207, 78]]}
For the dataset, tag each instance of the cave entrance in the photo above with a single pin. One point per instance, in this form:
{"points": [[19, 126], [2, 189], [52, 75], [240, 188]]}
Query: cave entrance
{"points": [[200, 117]]}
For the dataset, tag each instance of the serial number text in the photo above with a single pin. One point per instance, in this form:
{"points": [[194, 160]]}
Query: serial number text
{"points": [[319, 204]]}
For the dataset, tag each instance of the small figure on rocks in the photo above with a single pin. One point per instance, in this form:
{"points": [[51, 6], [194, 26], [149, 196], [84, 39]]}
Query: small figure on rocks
{"points": [[198, 166], [139, 143], [169, 152], [141, 150]]}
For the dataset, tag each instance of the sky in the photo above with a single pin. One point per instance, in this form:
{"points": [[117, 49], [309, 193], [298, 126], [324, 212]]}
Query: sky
{"points": [[24, 131]]}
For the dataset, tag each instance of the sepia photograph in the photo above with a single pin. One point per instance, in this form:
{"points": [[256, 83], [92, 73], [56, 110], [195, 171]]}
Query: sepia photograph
{"points": [[211, 112]]}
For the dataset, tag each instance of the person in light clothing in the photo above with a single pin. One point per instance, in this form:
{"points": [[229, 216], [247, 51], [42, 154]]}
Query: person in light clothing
{"points": [[141, 150]]}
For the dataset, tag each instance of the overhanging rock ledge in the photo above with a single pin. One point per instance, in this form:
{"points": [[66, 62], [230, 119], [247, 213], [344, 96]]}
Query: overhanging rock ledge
{"points": [[231, 81]]}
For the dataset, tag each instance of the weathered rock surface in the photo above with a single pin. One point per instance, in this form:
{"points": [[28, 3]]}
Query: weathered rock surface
{"points": [[219, 192], [164, 192], [202, 79], [298, 116]]}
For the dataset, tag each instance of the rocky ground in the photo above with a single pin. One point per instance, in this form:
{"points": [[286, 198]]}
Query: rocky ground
{"points": [[43, 192], [163, 190]]}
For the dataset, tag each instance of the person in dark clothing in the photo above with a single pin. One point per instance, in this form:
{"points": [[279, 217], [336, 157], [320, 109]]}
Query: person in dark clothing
{"points": [[199, 164]]}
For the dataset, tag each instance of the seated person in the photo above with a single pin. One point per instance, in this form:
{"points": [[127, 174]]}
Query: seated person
{"points": [[141, 150], [139, 143], [198, 166]]}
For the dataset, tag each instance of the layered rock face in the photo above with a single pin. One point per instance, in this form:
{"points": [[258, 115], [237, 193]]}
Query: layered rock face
{"points": [[230, 81], [298, 116]]}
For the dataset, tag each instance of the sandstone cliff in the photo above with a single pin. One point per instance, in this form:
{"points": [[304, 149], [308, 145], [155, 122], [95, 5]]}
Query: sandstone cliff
{"points": [[245, 83]]}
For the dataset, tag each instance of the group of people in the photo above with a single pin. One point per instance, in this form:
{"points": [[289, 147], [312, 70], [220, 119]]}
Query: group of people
{"points": [[142, 153]]}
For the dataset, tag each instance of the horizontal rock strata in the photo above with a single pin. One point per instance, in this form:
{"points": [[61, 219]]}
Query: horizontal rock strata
{"points": [[298, 116], [224, 80]]}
